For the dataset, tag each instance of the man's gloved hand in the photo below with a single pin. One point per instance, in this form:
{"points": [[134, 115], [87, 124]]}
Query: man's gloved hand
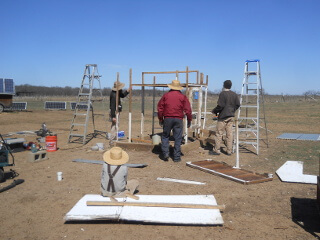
{"points": [[161, 123], [189, 124]]}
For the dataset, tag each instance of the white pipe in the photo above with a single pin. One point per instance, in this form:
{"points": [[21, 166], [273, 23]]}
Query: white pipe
{"points": [[130, 123], [237, 146]]}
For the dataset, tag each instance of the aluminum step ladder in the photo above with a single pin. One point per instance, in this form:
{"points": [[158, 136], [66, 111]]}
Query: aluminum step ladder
{"points": [[251, 114], [89, 93]]}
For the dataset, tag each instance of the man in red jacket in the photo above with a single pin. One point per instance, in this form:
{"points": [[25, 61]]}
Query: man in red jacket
{"points": [[171, 110]]}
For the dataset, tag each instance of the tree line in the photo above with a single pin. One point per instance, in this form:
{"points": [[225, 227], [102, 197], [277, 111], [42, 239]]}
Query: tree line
{"points": [[30, 90]]}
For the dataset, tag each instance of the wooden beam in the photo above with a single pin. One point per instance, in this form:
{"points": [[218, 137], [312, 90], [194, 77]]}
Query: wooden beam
{"points": [[150, 204]]}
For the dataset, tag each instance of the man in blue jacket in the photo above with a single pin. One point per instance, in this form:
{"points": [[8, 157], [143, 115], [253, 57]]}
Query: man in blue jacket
{"points": [[228, 103], [171, 110]]}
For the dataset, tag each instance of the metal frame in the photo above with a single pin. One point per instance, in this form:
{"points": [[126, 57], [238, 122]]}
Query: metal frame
{"points": [[85, 97], [249, 114]]}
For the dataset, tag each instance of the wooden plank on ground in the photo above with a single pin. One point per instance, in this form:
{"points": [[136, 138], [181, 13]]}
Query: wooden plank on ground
{"points": [[226, 171], [154, 204]]}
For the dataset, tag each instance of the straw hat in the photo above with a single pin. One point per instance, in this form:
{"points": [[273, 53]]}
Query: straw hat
{"points": [[117, 86], [116, 156], [175, 85]]}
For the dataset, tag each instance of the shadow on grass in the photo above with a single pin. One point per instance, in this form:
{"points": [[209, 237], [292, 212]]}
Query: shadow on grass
{"points": [[305, 213]]}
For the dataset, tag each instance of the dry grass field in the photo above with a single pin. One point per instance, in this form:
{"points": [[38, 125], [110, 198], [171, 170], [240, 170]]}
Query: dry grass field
{"points": [[272, 210]]}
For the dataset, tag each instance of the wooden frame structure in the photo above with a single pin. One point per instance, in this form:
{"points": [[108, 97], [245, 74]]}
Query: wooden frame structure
{"points": [[199, 86]]}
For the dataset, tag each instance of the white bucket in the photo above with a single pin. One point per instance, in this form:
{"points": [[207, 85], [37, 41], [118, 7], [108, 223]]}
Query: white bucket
{"points": [[100, 146], [156, 139], [59, 176]]}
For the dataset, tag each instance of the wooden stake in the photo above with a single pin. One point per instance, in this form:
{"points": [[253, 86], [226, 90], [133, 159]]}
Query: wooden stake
{"points": [[149, 204]]}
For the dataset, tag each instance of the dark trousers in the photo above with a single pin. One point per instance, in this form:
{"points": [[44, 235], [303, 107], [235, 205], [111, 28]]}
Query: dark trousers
{"points": [[176, 125]]}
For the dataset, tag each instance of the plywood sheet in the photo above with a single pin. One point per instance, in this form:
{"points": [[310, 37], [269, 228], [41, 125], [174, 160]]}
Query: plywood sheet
{"points": [[160, 215], [227, 171]]}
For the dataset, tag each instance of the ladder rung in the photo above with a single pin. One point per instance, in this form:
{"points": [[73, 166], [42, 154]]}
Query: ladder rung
{"points": [[247, 130], [83, 103], [84, 94], [251, 73], [76, 135], [248, 118], [78, 124], [253, 143], [249, 106], [80, 114]]}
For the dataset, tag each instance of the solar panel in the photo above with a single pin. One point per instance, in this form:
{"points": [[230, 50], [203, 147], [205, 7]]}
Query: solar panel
{"points": [[55, 105], [300, 136], [7, 86], [19, 106], [290, 136], [309, 137], [1, 85], [83, 106]]}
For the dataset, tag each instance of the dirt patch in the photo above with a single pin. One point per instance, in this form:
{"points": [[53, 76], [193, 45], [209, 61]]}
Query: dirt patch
{"points": [[35, 209]]}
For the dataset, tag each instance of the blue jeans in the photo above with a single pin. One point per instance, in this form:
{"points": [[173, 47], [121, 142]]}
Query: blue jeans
{"points": [[176, 125]]}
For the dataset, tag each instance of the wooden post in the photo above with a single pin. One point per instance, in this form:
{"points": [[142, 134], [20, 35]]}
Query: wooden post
{"points": [[237, 144], [205, 103], [130, 105], [153, 103], [142, 108], [117, 108], [185, 119]]}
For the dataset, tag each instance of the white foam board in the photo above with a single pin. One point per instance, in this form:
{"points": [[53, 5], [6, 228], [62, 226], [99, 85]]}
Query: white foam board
{"points": [[160, 215], [292, 171]]}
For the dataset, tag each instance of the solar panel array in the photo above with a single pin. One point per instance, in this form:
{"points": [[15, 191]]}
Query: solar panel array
{"points": [[7, 86], [19, 106], [55, 105], [83, 106]]}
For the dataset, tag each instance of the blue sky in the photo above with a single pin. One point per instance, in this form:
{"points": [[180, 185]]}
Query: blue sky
{"points": [[48, 43]]}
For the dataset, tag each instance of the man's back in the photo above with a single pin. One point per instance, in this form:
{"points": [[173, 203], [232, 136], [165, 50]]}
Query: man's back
{"points": [[228, 102], [174, 104]]}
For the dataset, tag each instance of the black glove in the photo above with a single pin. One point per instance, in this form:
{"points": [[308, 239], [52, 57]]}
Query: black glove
{"points": [[161, 123], [189, 124]]}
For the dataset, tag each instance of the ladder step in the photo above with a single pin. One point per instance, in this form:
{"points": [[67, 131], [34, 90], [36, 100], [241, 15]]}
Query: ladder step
{"points": [[248, 106], [253, 143], [247, 130], [248, 118], [78, 124], [76, 135], [80, 114], [83, 103], [251, 73], [84, 94]]}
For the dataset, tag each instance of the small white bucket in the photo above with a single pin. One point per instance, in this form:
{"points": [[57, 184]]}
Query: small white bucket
{"points": [[100, 146], [156, 139], [59, 176]]}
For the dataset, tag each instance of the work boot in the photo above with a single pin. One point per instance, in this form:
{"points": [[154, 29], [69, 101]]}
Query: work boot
{"points": [[165, 157], [177, 159], [214, 153]]}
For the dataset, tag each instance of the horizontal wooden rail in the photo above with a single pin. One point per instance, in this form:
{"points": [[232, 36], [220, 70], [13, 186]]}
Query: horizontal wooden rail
{"points": [[149, 204]]}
